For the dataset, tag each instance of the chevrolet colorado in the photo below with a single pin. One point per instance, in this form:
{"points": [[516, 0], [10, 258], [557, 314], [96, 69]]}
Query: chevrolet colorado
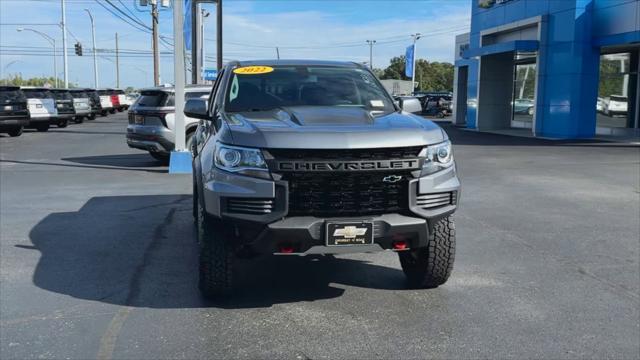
{"points": [[297, 157]]}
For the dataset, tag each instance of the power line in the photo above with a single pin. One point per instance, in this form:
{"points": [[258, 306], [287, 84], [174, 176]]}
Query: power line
{"points": [[137, 21]]}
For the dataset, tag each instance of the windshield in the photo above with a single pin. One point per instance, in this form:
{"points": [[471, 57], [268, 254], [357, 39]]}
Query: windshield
{"points": [[79, 95], [306, 86], [155, 98], [37, 94], [62, 95], [7, 96]]}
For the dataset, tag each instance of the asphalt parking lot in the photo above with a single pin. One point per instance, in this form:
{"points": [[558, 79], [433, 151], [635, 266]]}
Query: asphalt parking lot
{"points": [[98, 260]]}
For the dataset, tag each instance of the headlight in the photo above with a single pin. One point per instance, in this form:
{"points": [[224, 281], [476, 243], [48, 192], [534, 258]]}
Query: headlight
{"points": [[239, 159], [438, 157]]}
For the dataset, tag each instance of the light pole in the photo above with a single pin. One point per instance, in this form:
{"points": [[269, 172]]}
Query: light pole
{"points": [[64, 44], [95, 56], [371, 42], [52, 41], [203, 15], [6, 81], [416, 37]]}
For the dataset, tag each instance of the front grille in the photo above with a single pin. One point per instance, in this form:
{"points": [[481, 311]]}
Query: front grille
{"points": [[249, 206], [346, 194], [432, 201], [347, 154]]}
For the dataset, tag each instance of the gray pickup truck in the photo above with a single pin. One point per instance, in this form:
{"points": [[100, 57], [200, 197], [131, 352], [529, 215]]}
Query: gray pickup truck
{"points": [[313, 157]]}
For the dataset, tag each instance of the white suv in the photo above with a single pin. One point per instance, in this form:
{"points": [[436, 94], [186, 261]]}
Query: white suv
{"points": [[152, 120], [42, 107]]}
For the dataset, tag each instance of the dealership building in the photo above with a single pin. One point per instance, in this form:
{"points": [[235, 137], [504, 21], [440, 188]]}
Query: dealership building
{"points": [[550, 68]]}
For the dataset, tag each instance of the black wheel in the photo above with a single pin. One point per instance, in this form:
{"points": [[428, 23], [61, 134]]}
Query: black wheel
{"points": [[440, 115], [15, 132], [189, 143], [103, 113], [42, 127], [216, 257], [430, 267], [112, 111], [163, 158], [78, 119], [92, 116], [120, 109], [63, 123]]}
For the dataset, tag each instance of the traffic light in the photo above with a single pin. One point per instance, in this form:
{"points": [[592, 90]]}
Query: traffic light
{"points": [[78, 47]]}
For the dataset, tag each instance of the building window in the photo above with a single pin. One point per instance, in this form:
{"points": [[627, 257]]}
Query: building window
{"points": [[616, 91]]}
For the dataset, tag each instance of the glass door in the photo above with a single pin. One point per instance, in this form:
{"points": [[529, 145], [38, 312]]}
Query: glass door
{"points": [[523, 101]]}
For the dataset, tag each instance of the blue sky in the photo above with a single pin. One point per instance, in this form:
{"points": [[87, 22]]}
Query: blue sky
{"points": [[332, 30]]}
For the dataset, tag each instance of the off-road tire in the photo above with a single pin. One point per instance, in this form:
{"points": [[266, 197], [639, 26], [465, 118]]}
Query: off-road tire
{"points": [[216, 257], [78, 119], [42, 127], [163, 158], [112, 111], [430, 266], [63, 123], [15, 132]]}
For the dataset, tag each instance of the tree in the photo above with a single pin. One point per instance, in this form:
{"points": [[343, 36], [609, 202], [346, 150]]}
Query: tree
{"points": [[431, 76], [18, 80]]}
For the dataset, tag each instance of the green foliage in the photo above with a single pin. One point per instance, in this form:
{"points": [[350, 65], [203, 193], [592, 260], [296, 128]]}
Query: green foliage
{"points": [[611, 78], [18, 80], [431, 76]]}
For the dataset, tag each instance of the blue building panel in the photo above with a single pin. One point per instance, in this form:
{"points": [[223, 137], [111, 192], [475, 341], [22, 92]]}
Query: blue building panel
{"points": [[567, 47]]}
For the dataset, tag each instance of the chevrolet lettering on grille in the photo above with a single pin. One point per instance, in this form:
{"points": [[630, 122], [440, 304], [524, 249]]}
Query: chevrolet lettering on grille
{"points": [[405, 164]]}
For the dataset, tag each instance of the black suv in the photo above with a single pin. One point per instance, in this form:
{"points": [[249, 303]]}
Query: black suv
{"points": [[64, 104], [14, 115], [94, 101]]}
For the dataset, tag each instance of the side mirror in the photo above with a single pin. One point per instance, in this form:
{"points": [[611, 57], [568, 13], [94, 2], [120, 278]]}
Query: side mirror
{"points": [[411, 105], [196, 108]]}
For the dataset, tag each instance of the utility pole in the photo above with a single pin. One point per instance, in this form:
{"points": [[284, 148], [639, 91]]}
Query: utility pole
{"points": [[203, 55], [278, 53], [219, 35], [179, 77], [371, 42], [416, 37], [156, 55], [117, 64], [64, 44], [95, 56]]}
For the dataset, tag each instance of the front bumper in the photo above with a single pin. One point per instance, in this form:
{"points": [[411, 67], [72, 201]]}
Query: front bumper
{"points": [[269, 232], [150, 138]]}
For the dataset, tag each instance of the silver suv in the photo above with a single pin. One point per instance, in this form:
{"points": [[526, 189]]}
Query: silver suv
{"points": [[315, 157], [152, 120]]}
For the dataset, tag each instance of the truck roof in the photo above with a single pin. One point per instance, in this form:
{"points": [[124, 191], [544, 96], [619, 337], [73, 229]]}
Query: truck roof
{"points": [[293, 62]]}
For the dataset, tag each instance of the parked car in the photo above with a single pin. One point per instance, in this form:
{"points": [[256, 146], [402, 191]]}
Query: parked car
{"points": [[94, 101], [115, 100], [14, 115], [81, 105], [152, 120], [313, 157], [105, 102], [600, 104], [523, 106], [615, 105], [64, 105], [123, 100], [42, 107]]}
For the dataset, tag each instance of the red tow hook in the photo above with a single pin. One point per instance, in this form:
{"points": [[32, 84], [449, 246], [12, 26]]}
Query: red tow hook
{"points": [[400, 245], [286, 249]]}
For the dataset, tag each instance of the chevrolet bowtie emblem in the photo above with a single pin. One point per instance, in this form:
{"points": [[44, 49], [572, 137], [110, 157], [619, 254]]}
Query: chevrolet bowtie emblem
{"points": [[392, 179], [350, 232]]}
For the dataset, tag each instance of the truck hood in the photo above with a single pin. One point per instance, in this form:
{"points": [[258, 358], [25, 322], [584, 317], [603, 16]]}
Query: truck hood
{"points": [[316, 127]]}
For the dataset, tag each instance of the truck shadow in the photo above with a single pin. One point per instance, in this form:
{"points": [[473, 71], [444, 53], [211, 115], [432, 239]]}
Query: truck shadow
{"points": [[140, 251]]}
